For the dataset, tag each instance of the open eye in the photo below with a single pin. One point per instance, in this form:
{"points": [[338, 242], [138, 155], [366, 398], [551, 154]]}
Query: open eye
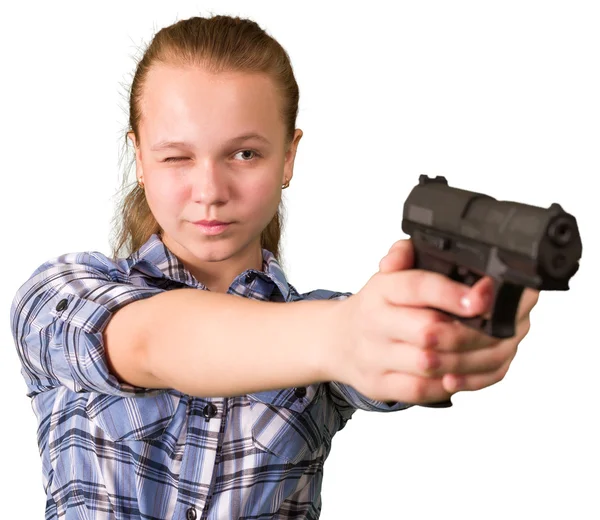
{"points": [[254, 153]]}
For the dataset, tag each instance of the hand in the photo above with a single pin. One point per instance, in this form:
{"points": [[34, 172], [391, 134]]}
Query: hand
{"points": [[460, 377], [395, 348]]}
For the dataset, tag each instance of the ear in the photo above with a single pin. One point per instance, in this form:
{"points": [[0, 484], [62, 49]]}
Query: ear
{"points": [[139, 172], [290, 156]]}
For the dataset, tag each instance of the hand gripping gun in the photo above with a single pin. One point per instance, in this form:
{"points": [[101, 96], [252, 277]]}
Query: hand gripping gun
{"points": [[466, 235]]}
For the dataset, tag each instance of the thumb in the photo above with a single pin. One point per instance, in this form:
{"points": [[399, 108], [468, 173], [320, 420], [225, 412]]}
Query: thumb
{"points": [[399, 257]]}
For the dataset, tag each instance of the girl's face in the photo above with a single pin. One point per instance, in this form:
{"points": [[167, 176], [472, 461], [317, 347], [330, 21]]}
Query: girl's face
{"points": [[212, 148]]}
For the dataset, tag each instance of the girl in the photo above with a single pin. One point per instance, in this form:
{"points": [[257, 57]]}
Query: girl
{"points": [[169, 382]]}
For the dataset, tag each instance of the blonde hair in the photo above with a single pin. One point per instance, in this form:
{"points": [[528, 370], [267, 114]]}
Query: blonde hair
{"points": [[219, 44]]}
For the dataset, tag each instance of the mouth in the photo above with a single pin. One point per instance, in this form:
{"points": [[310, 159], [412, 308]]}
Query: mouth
{"points": [[211, 227], [211, 223]]}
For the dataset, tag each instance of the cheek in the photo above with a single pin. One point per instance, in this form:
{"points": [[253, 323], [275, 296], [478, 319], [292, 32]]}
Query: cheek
{"points": [[262, 196], [165, 198]]}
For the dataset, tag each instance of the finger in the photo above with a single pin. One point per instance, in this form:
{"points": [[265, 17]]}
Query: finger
{"points": [[404, 244], [458, 382], [399, 257], [465, 383], [482, 360], [484, 289], [429, 363], [420, 288], [467, 338], [417, 326], [529, 300], [402, 357], [457, 337], [430, 328]]}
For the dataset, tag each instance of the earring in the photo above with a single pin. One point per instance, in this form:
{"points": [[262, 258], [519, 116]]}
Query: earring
{"points": [[284, 186], [140, 183]]}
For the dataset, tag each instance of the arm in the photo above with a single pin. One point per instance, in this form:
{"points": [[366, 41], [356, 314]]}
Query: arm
{"points": [[212, 344], [77, 324]]}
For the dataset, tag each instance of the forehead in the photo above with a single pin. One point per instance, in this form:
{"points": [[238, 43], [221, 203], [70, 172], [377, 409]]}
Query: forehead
{"points": [[193, 103]]}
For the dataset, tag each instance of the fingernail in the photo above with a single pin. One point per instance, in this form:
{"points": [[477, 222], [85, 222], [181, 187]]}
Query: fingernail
{"points": [[465, 301], [459, 383]]}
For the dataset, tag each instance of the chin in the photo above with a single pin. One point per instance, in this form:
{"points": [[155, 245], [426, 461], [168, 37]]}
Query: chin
{"points": [[211, 249], [217, 250], [206, 251]]}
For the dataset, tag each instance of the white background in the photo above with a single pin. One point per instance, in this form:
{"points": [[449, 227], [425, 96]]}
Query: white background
{"points": [[502, 98]]}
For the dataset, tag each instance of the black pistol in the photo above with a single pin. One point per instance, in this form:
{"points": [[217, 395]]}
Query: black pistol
{"points": [[466, 235]]}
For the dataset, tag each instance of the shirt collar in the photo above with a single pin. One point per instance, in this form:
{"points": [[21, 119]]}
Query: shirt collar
{"points": [[154, 258]]}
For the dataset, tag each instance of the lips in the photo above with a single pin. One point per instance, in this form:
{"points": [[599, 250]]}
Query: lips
{"points": [[212, 227], [210, 223]]}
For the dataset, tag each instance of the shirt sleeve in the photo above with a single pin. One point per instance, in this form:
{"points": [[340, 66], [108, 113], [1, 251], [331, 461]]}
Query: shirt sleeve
{"points": [[57, 320], [347, 399]]}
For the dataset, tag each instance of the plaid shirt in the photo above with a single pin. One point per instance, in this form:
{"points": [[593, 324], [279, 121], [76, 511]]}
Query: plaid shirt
{"points": [[115, 451]]}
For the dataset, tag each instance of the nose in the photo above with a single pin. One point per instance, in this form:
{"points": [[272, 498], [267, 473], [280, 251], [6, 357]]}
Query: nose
{"points": [[209, 183]]}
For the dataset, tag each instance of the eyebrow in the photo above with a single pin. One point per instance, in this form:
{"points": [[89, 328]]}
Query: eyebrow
{"points": [[186, 144]]}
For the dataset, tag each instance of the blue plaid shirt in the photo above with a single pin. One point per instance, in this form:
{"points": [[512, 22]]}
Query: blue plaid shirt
{"points": [[115, 451]]}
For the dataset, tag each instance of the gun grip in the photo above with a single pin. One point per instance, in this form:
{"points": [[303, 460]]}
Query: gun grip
{"points": [[505, 303]]}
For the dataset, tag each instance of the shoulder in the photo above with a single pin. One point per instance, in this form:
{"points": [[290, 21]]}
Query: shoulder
{"points": [[69, 276], [93, 262]]}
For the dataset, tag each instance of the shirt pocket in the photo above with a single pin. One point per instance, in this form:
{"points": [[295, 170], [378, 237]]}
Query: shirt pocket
{"points": [[289, 423], [144, 417]]}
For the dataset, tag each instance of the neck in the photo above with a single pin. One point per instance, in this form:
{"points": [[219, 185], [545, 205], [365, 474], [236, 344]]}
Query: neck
{"points": [[217, 270]]}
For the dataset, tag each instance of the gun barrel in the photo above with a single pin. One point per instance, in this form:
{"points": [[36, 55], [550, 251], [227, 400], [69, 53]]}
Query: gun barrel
{"points": [[547, 239]]}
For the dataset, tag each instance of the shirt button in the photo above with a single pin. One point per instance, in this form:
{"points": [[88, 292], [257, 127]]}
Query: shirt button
{"points": [[62, 305], [210, 410], [249, 277], [190, 514], [300, 392]]}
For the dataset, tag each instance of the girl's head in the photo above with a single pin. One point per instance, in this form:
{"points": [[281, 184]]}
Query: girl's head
{"points": [[201, 85]]}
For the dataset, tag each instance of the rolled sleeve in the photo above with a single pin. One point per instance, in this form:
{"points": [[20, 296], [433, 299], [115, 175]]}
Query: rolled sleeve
{"points": [[57, 320], [347, 400]]}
